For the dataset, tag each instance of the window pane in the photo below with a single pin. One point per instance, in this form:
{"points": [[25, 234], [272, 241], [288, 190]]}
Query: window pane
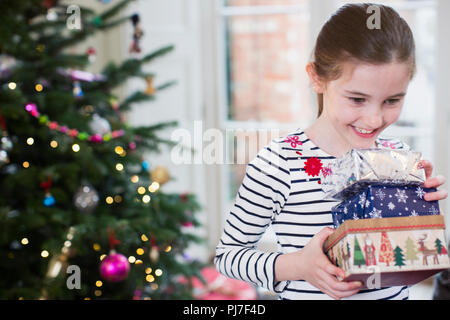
{"points": [[266, 59]]}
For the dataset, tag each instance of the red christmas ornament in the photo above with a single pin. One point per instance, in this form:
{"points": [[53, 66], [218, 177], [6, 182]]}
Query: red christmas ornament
{"points": [[53, 125], [90, 50], [73, 132], [112, 238], [313, 166], [184, 196], [48, 3]]}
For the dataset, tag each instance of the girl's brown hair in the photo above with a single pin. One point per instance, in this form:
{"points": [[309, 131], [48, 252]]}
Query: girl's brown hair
{"points": [[346, 35]]}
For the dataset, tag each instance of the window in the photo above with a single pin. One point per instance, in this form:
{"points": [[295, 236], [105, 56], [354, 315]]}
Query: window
{"points": [[266, 48]]}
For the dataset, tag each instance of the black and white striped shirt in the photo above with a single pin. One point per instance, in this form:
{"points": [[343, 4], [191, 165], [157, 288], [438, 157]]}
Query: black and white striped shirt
{"points": [[277, 191]]}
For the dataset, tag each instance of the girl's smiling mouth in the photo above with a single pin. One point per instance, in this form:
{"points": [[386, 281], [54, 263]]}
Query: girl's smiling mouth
{"points": [[363, 133]]}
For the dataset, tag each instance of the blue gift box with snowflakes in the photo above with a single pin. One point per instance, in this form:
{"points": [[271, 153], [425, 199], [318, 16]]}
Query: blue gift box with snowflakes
{"points": [[385, 201]]}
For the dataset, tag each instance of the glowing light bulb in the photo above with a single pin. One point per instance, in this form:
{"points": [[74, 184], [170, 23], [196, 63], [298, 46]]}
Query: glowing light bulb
{"points": [[30, 141], [153, 187], [141, 190]]}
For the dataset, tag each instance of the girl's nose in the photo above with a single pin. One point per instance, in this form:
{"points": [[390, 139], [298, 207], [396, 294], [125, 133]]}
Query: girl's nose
{"points": [[374, 120]]}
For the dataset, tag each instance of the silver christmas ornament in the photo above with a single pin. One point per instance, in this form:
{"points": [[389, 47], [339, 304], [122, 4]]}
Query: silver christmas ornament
{"points": [[3, 157], [86, 198], [6, 143], [99, 125]]}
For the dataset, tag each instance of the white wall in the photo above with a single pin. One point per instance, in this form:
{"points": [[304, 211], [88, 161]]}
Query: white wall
{"points": [[172, 22]]}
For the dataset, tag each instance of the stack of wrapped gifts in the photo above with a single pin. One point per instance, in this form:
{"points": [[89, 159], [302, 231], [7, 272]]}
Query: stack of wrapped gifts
{"points": [[386, 233]]}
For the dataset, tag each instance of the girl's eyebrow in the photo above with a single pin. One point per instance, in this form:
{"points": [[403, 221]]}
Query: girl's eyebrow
{"points": [[398, 95]]}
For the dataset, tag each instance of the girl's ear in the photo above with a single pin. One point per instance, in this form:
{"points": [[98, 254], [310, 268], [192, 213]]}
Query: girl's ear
{"points": [[314, 79]]}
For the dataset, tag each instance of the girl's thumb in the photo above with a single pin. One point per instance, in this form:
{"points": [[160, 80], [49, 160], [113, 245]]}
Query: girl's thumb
{"points": [[323, 235]]}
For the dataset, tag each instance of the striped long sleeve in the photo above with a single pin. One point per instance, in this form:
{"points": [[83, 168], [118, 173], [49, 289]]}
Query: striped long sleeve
{"points": [[261, 196]]}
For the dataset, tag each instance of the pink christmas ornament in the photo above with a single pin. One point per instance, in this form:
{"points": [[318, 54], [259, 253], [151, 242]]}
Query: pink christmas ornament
{"points": [[114, 267], [32, 108], [96, 138]]}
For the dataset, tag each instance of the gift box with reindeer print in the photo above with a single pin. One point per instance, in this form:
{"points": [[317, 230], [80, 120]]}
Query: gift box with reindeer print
{"points": [[384, 252]]}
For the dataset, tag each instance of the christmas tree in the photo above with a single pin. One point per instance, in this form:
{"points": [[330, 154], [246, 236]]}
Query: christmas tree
{"points": [[386, 252], [82, 208], [358, 256], [398, 256], [411, 252], [438, 245]]}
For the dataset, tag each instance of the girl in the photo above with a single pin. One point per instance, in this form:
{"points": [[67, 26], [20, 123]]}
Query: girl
{"points": [[361, 77]]}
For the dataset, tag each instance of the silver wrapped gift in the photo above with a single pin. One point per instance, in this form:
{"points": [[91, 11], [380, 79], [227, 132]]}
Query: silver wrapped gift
{"points": [[359, 168]]}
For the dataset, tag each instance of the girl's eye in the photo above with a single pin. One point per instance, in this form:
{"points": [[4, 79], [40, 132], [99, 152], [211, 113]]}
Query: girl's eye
{"points": [[392, 101], [358, 100]]}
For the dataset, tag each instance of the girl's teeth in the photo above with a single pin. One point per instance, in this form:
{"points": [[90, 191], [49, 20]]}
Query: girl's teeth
{"points": [[364, 131]]}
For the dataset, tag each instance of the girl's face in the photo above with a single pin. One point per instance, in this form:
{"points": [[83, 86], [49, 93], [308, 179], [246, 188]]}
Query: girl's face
{"points": [[365, 100]]}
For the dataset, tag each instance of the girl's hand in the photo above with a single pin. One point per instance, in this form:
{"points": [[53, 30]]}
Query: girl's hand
{"points": [[433, 182], [311, 264]]}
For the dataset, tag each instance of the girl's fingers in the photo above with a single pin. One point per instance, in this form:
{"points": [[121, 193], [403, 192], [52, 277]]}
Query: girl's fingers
{"points": [[325, 288], [428, 167], [434, 182], [342, 286], [338, 289], [333, 270], [436, 196]]}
